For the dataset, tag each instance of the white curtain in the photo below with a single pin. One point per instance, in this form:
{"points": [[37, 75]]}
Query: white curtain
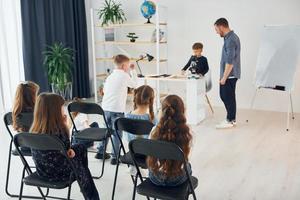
{"points": [[11, 60]]}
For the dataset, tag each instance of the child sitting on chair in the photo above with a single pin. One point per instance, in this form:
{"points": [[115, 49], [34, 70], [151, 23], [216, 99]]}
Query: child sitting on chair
{"points": [[81, 122], [171, 127], [49, 118], [197, 64], [143, 107]]}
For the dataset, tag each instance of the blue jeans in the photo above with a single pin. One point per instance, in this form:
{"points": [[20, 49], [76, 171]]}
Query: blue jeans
{"points": [[111, 118], [161, 180]]}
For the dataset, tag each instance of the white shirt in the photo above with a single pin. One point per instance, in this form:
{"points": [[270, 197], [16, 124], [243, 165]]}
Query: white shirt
{"points": [[80, 121], [115, 90]]}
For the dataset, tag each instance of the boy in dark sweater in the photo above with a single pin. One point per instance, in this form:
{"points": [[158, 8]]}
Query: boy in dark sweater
{"points": [[197, 63]]}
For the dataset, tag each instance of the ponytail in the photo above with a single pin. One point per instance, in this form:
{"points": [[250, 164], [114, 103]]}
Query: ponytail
{"points": [[151, 112], [144, 95]]}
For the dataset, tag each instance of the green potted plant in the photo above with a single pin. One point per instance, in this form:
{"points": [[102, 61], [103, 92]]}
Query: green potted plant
{"points": [[111, 13], [132, 37], [58, 62]]}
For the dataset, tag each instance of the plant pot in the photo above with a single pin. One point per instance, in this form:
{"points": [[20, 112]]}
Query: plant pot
{"points": [[63, 90], [132, 40]]}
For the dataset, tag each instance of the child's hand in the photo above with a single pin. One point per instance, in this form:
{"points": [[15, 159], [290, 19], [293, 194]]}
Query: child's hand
{"points": [[71, 153]]}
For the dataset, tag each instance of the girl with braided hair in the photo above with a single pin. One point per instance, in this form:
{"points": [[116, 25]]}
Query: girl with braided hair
{"points": [[171, 127], [143, 107]]}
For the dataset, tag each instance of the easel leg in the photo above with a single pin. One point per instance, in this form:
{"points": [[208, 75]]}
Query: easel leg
{"points": [[210, 106], [288, 117], [252, 101], [292, 108]]}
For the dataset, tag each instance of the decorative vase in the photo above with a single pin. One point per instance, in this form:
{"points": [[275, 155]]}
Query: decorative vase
{"points": [[66, 90]]}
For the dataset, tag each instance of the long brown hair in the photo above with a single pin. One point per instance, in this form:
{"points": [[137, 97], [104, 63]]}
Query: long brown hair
{"points": [[24, 101], [144, 96], [172, 127], [48, 116]]}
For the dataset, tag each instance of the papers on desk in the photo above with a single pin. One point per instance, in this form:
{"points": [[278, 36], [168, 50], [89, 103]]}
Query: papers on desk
{"points": [[173, 76], [178, 76], [158, 75]]}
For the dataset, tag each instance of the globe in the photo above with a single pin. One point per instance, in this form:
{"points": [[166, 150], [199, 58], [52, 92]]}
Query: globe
{"points": [[148, 9]]}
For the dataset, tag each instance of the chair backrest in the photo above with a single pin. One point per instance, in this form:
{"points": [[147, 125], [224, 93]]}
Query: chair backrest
{"points": [[157, 149], [161, 150], [134, 126], [39, 142], [86, 108], [24, 119], [208, 82], [8, 119]]}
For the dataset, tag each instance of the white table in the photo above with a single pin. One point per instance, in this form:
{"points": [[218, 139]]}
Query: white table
{"points": [[194, 95]]}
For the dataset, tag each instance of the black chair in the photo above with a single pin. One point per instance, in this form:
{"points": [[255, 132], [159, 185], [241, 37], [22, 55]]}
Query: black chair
{"points": [[135, 127], [90, 134], [163, 151], [42, 142], [24, 120]]}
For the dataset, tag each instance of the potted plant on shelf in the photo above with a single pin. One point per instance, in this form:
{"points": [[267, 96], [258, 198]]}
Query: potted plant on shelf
{"points": [[132, 37], [111, 13], [58, 62]]}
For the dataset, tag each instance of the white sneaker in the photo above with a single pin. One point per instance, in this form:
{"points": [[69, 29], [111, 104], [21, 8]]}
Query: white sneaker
{"points": [[225, 124]]}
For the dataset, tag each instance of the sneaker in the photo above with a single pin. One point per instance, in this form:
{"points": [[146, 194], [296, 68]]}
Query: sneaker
{"points": [[113, 161], [226, 124], [100, 156]]}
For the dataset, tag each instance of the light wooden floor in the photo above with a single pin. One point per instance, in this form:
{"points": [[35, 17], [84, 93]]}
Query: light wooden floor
{"points": [[258, 160]]}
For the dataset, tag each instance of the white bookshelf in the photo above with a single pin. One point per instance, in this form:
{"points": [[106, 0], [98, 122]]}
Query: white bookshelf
{"points": [[102, 59]]}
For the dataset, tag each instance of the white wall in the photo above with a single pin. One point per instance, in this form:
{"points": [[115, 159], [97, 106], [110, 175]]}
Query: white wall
{"points": [[192, 20]]}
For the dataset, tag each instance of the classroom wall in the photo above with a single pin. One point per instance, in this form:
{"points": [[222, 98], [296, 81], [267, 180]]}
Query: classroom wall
{"points": [[192, 20]]}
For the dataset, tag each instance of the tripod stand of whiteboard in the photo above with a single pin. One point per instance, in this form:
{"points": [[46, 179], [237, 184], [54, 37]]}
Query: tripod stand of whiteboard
{"points": [[290, 108]]}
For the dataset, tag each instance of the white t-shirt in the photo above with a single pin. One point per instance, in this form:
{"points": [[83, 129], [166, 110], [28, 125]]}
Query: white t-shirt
{"points": [[115, 90], [80, 121]]}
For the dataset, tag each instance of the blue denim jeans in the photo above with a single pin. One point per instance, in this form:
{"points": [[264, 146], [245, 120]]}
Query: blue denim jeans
{"points": [[111, 118], [161, 180]]}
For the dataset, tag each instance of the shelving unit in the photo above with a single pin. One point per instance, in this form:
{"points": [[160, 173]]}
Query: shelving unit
{"points": [[130, 24], [102, 61], [129, 43], [131, 59]]}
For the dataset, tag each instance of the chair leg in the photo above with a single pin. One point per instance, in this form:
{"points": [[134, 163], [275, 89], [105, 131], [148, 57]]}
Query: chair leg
{"points": [[69, 192], [103, 163], [47, 192], [194, 195], [116, 174], [22, 184], [134, 187], [42, 194], [8, 172], [210, 106]]}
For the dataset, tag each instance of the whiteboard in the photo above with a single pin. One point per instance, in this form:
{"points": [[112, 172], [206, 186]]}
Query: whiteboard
{"points": [[278, 57]]}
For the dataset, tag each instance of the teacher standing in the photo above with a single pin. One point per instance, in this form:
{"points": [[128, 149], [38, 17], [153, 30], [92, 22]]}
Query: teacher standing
{"points": [[230, 71]]}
